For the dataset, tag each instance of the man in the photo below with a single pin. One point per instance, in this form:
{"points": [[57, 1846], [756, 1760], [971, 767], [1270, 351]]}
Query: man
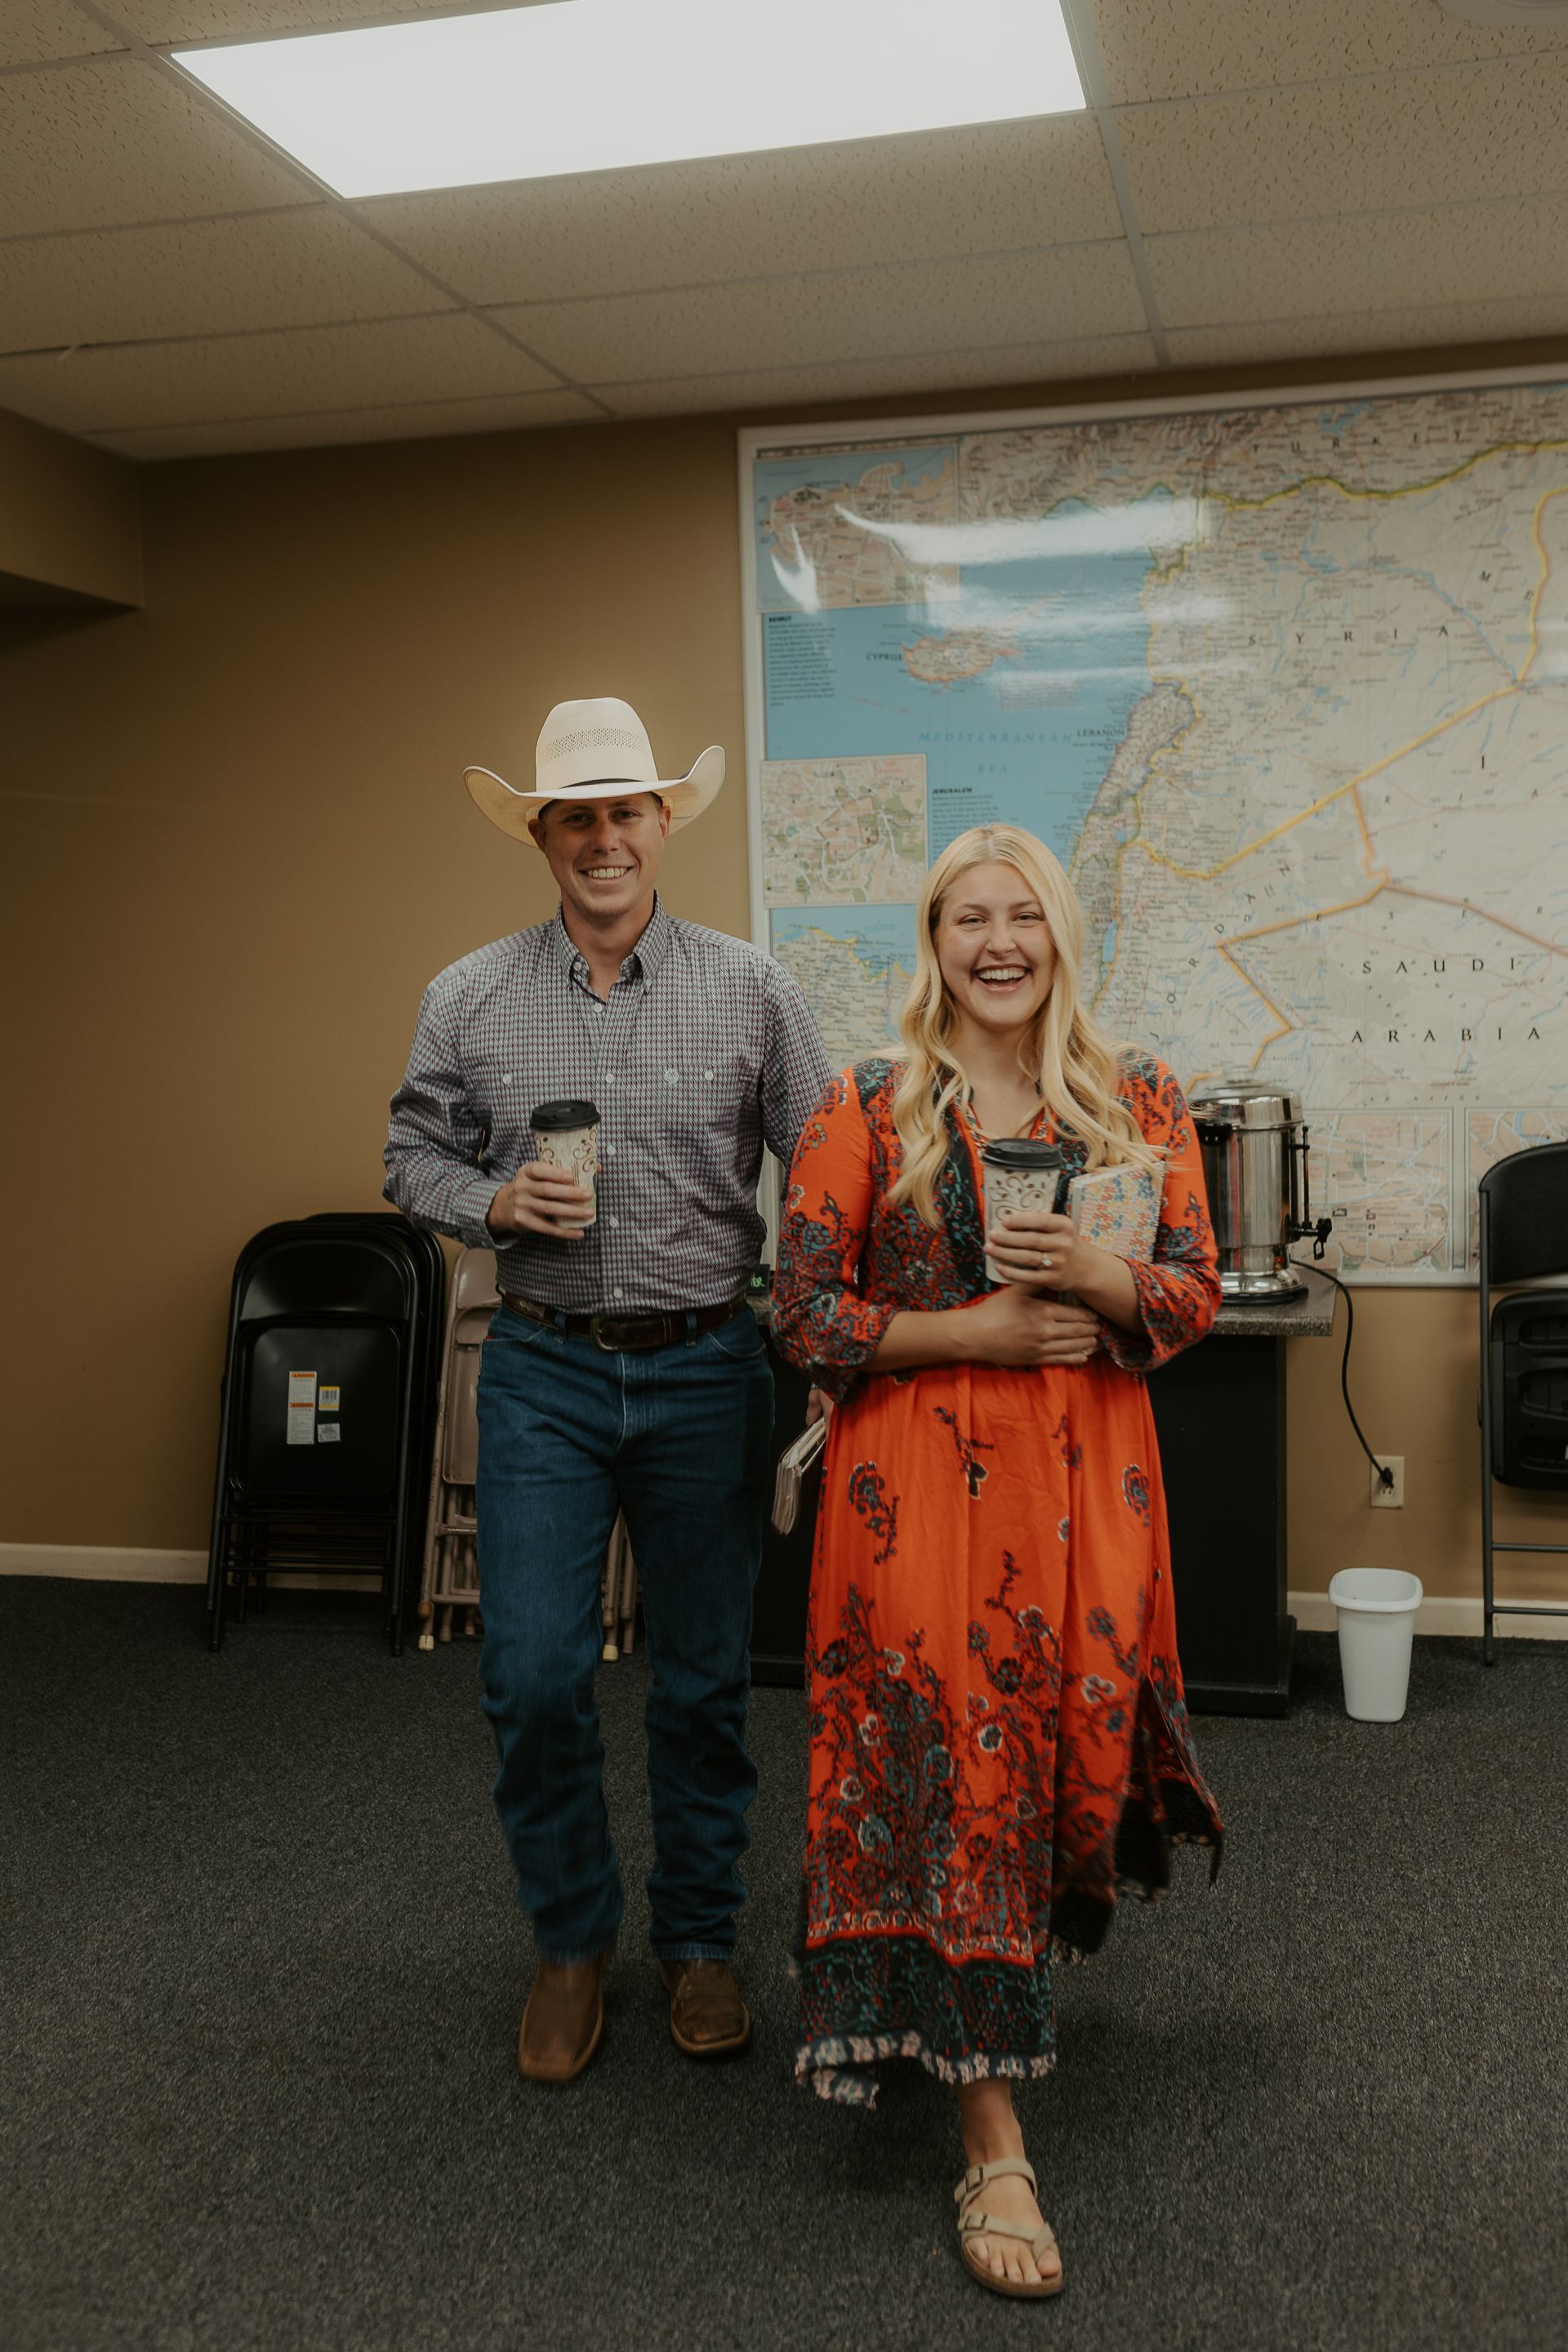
{"points": [[623, 1366]]}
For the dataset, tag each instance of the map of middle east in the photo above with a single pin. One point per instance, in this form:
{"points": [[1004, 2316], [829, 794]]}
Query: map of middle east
{"points": [[1285, 688]]}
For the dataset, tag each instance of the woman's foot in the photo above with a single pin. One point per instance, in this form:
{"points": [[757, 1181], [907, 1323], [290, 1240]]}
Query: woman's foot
{"points": [[991, 2131], [1011, 2200]]}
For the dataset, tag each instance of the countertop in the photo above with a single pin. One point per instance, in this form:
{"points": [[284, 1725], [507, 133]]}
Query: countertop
{"points": [[1309, 1314]]}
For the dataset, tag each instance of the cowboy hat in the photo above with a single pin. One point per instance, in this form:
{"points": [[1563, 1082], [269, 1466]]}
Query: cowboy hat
{"points": [[595, 750]]}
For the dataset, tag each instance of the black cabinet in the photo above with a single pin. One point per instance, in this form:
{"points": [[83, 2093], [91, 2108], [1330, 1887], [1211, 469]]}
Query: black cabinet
{"points": [[1219, 1415]]}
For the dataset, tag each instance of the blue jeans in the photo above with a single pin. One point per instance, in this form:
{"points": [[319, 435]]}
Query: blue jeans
{"points": [[681, 1439]]}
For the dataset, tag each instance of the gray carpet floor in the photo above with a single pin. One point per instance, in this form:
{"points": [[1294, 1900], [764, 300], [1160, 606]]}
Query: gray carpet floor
{"points": [[263, 1973]]}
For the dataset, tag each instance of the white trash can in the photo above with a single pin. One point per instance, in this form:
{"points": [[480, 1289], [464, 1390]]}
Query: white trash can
{"points": [[1376, 1608]]}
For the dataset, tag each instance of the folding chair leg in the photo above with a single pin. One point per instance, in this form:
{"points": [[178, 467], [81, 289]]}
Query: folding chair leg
{"points": [[220, 1587]]}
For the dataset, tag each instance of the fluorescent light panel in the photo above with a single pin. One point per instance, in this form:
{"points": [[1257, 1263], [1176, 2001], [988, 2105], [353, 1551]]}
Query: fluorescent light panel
{"points": [[570, 86]]}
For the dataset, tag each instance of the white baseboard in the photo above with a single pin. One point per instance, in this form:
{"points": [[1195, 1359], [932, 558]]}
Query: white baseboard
{"points": [[1315, 1613], [111, 1562], [119, 1564]]}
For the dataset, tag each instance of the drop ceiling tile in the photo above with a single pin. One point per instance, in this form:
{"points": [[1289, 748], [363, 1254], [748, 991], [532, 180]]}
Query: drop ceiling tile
{"points": [[1020, 364], [241, 376], [1385, 143], [334, 428], [34, 30], [1439, 325], [95, 146], [979, 190], [241, 20], [1310, 269], [305, 266], [1181, 48], [844, 315]]}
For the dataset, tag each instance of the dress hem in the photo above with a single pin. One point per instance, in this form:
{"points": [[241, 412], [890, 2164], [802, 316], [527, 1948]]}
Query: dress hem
{"points": [[838, 2066]]}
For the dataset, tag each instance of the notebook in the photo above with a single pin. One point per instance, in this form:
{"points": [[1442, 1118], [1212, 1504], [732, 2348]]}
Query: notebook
{"points": [[1119, 1208], [795, 1463]]}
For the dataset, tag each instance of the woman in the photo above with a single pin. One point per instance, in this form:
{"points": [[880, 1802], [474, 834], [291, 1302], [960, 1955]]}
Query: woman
{"points": [[998, 1736]]}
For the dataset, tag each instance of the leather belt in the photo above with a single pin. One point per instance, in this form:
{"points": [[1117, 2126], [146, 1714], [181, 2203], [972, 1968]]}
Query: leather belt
{"points": [[657, 1328]]}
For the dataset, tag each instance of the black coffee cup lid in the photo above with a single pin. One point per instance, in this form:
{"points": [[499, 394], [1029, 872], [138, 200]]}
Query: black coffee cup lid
{"points": [[1023, 1152], [556, 1118]]}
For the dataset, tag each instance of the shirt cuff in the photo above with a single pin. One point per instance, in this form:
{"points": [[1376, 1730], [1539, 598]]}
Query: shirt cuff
{"points": [[468, 1208]]}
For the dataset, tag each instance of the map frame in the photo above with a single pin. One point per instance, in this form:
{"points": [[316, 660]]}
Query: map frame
{"points": [[855, 436]]}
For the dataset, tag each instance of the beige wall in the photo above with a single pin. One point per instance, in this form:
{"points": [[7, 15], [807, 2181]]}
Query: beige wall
{"points": [[236, 846], [69, 524]]}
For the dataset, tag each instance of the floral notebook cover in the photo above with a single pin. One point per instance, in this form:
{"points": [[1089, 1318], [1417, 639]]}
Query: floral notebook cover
{"points": [[1117, 1208]]}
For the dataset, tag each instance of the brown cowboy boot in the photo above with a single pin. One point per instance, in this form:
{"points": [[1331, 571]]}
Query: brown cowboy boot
{"points": [[707, 2019], [563, 2022]]}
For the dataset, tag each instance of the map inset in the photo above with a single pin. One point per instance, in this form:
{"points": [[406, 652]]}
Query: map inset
{"points": [[843, 832], [855, 968], [1287, 692], [1493, 1135]]}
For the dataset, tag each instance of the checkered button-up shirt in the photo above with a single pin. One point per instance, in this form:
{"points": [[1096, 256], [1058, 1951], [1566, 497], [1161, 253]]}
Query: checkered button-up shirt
{"points": [[703, 1052]]}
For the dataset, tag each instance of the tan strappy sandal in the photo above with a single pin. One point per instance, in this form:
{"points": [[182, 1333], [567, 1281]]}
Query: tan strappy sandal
{"points": [[972, 2225]]}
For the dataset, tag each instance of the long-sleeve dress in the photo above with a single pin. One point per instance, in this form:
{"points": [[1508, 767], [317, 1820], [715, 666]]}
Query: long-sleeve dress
{"points": [[999, 1740]]}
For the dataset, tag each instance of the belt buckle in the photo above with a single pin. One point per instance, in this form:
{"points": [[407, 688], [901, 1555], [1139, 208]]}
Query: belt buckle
{"points": [[599, 1325]]}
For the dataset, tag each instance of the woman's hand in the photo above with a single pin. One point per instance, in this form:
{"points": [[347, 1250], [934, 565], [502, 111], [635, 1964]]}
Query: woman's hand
{"points": [[1046, 1253], [1023, 1328], [1040, 1250]]}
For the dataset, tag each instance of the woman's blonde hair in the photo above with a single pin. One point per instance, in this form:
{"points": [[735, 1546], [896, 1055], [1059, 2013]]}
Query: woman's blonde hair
{"points": [[1063, 1050]]}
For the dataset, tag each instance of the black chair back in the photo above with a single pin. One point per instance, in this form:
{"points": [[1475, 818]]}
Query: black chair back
{"points": [[1524, 1214], [328, 1393], [1523, 1221]]}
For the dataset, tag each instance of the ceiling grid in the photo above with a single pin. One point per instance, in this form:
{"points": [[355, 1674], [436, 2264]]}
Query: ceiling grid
{"points": [[1249, 182]]}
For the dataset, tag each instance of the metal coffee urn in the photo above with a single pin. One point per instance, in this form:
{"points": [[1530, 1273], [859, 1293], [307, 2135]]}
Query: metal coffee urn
{"points": [[1254, 1164]]}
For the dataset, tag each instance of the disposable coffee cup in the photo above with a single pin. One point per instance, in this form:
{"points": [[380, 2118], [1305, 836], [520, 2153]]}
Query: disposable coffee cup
{"points": [[1019, 1174], [566, 1135]]}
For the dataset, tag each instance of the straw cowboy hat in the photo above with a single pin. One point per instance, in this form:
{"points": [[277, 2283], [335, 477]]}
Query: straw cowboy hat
{"points": [[595, 750]]}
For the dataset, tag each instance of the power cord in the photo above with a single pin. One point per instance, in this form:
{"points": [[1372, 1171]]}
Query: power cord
{"points": [[1384, 1476]]}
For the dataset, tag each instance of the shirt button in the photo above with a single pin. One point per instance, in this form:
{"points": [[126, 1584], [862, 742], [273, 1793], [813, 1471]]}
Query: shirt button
{"points": [[708, 1074], [608, 1079], [610, 1147], [619, 1292], [673, 1076], [614, 1221]]}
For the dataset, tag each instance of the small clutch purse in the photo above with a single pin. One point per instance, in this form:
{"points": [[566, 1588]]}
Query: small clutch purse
{"points": [[795, 1463]]}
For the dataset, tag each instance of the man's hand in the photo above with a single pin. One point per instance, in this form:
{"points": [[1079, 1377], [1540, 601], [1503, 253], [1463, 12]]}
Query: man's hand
{"points": [[1022, 1329], [542, 1198]]}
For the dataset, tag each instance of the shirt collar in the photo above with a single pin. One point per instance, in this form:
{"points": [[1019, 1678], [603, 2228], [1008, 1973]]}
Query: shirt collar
{"points": [[646, 957]]}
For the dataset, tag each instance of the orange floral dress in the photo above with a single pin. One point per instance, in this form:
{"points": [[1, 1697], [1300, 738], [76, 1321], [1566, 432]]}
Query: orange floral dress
{"points": [[999, 1740]]}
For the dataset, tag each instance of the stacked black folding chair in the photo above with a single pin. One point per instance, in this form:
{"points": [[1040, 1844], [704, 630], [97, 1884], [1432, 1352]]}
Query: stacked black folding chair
{"points": [[334, 1336], [1523, 1203]]}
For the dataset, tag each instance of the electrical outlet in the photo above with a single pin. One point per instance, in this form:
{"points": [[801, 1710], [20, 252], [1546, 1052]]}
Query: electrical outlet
{"points": [[1389, 1498]]}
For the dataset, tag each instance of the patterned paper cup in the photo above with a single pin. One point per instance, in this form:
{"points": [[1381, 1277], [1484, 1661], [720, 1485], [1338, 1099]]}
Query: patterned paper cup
{"points": [[1019, 1174], [566, 1134]]}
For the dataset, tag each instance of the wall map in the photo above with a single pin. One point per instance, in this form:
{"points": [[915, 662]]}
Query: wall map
{"points": [[1285, 687]]}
